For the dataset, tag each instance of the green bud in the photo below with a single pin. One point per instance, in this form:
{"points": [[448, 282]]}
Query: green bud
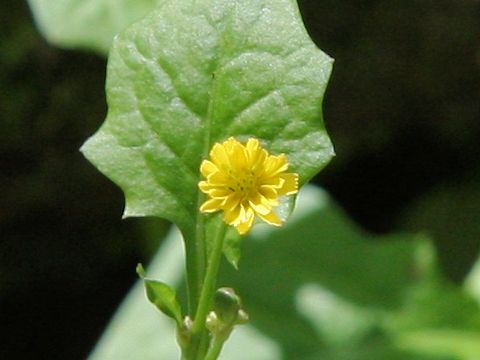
{"points": [[140, 271], [242, 317], [184, 332], [226, 305], [212, 322]]}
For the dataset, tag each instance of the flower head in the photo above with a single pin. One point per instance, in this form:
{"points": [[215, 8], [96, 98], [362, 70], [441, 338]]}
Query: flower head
{"points": [[245, 181]]}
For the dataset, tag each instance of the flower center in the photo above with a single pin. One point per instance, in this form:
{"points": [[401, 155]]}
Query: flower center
{"points": [[244, 184]]}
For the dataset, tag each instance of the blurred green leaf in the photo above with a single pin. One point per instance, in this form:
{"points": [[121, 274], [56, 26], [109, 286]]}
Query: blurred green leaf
{"points": [[338, 322], [438, 319], [449, 213], [297, 281], [231, 248], [192, 73], [136, 333], [456, 344], [377, 349], [162, 296], [436, 304], [472, 282], [320, 245], [87, 24]]}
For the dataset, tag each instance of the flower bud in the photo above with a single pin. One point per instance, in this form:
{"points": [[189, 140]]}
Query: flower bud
{"points": [[226, 306], [184, 332], [212, 322], [242, 317]]}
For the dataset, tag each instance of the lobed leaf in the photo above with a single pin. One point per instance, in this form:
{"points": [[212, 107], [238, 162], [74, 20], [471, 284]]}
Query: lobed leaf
{"points": [[192, 73], [317, 288]]}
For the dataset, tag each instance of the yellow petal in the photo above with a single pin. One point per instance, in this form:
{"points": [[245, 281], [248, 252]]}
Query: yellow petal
{"points": [[230, 144], [276, 164], [205, 186], [269, 192], [238, 158], [207, 168], [246, 225], [243, 213], [219, 178], [232, 201], [290, 185], [260, 205], [271, 218], [257, 161], [218, 193], [274, 181], [232, 216], [252, 146], [211, 205], [219, 155]]}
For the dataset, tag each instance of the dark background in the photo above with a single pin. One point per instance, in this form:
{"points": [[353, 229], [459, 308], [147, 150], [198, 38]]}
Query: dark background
{"points": [[402, 108]]}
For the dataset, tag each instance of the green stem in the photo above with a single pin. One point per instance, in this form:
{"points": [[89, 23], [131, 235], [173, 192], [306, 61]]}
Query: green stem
{"points": [[215, 349], [196, 261], [200, 282], [203, 346], [196, 252], [208, 291], [209, 283], [194, 272]]}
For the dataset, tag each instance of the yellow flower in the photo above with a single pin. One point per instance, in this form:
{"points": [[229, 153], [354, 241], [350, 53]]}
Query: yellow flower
{"points": [[245, 181]]}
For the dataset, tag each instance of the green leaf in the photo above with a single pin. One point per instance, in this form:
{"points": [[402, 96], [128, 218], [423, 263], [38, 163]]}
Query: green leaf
{"points": [[321, 288], [472, 282], [436, 305], [162, 296], [192, 73], [319, 248], [87, 24], [135, 333], [340, 323], [457, 344], [449, 212], [377, 349], [231, 247], [320, 245]]}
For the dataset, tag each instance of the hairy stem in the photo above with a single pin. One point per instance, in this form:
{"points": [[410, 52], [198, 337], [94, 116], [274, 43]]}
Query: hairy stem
{"points": [[196, 262], [206, 296], [215, 349]]}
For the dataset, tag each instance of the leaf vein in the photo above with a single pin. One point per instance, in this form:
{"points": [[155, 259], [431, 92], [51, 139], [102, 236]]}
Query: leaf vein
{"points": [[238, 116], [167, 145], [151, 127], [169, 216], [163, 66]]}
